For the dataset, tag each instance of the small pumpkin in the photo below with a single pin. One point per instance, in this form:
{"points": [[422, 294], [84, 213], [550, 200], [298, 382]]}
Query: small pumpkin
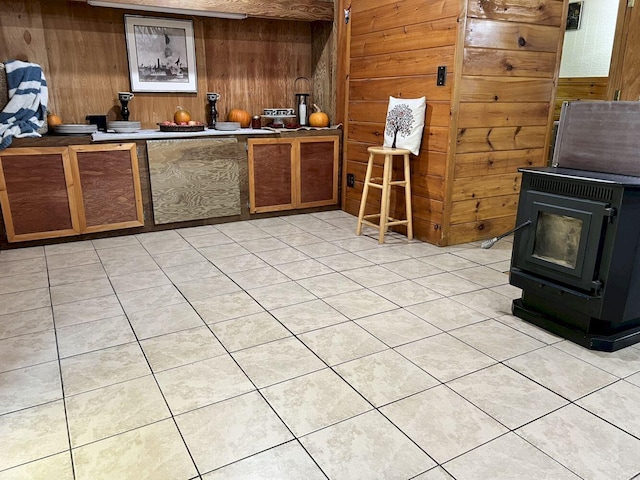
{"points": [[241, 116], [181, 116], [53, 120], [318, 118]]}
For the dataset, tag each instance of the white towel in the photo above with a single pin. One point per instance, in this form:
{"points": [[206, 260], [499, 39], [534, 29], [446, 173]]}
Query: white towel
{"points": [[26, 111]]}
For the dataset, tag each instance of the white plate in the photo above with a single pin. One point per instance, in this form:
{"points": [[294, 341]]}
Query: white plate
{"points": [[68, 128], [227, 126], [124, 130]]}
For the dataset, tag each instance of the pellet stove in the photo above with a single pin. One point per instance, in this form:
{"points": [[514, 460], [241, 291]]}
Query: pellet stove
{"points": [[578, 262]]}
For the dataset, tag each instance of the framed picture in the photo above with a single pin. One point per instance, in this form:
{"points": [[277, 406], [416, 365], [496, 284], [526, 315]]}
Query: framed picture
{"points": [[162, 55], [573, 17]]}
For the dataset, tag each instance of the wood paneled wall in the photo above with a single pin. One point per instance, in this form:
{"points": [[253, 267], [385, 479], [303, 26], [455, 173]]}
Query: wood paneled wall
{"points": [[253, 63], [490, 118], [582, 88], [502, 107], [395, 50]]}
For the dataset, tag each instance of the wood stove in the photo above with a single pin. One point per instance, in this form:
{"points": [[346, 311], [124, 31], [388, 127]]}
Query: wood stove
{"points": [[578, 263]]}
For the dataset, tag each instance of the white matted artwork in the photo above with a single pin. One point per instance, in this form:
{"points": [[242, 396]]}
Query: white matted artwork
{"points": [[161, 54], [405, 123]]}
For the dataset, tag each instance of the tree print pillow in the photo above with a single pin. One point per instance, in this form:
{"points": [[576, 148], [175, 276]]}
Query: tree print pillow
{"points": [[405, 123]]}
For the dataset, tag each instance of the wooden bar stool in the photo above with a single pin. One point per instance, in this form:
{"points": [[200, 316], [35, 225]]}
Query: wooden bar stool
{"points": [[384, 220]]}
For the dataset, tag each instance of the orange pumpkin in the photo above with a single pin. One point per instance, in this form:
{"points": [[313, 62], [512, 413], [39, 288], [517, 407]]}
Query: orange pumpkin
{"points": [[318, 118], [53, 120], [181, 116], [241, 116]]}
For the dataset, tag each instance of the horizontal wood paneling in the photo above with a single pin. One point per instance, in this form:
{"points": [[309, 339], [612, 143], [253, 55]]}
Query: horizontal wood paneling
{"points": [[402, 87], [546, 12], [511, 36], [501, 138], [414, 62], [584, 88], [502, 114], [487, 228], [494, 163], [433, 138], [490, 186], [498, 89], [484, 61], [438, 114], [484, 208]]}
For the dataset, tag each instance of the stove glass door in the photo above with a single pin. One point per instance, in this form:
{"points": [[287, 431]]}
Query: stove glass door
{"points": [[557, 239]]}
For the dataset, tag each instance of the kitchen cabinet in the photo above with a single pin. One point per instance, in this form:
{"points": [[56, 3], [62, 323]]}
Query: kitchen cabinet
{"points": [[49, 192], [290, 173]]}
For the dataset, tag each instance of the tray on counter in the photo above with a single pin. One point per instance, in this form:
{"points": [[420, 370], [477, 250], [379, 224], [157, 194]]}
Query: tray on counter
{"points": [[181, 128]]}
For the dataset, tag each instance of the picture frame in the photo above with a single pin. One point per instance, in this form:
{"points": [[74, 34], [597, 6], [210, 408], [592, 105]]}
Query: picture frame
{"points": [[161, 53], [574, 16]]}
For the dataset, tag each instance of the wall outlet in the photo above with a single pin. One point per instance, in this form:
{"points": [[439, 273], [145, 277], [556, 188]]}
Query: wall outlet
{"points": [[442, 76], [351, 180]]}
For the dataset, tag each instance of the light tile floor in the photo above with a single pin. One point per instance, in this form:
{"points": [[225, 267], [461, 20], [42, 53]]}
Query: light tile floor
{"points": [[289, 348]]}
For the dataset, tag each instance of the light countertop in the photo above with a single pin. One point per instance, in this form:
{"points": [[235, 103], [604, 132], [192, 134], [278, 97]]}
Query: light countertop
{"points": [[157, 134]]}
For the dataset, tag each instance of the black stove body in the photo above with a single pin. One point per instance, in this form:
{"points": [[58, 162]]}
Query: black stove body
{"points": [[578, 262]]}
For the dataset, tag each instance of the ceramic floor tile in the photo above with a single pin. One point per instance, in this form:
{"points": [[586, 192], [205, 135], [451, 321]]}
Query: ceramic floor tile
{"points": [[114, 409], [437, 473], [166, 246], [75, 292], [21, 254], [192, 271], [258, 277], [485, 256], [367, 446], [191, 232], [621, 363], [244, 425], [328, 285], [102, 368], [448, 262], [21, 267], [277, 361], [19, 283], [208, 287], [281, 295], [585, 444], [412, 269], [484, 276], [86, 311], [57, 466], [263, 245], [560, 372], [356, 244], [508, 458], [176, 259], [372, 276], [303, 269], [497, 340], [202, 383], [385, 377], [154, 451], [226, 307], [333, 234], [210, 240], [485, 301], [283, 231], [507, 396], [180, 348], [249, 331], [71, 247], [282, 255], [285, 461], [384, 254], [508, 291], [163, 320], [158, 236], [445, 357], [320, 249], [530, 329], [120, 253], [444, 424], [62, 276], [150, 298], [139, 280], [314, 401], [96, 335], [22, 301], [29, 321], [616, 404], [224, 250], [344, 261], [448, 284], [303, 317], [240, 263], [115, 242], [128, 265], [32, 434], [30, 386], [72, 259], [397, 327], [360, 303], [299, 238], [341, 343], [27, 350], [406, 293]]}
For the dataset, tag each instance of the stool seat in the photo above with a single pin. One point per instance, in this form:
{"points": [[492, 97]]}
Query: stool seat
{"points": [[384, 220]]}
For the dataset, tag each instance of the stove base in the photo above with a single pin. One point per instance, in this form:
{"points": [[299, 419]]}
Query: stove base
{"points": [[605, 343]]}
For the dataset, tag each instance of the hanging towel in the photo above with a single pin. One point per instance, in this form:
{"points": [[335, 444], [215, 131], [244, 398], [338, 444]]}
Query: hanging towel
{"points": [[26, 111]]}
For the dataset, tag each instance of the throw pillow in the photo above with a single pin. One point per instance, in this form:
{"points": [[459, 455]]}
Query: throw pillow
{"points": [[405, 123]]}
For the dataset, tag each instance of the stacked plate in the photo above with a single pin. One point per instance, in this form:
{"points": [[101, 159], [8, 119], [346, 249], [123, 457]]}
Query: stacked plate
{"points": [[75, 129], [228, 126], [120, 126]]}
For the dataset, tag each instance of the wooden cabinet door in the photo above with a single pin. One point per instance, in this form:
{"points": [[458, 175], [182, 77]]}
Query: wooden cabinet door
{"points": [[318, 171], [36, 193], [272, 175], [107, 186]]}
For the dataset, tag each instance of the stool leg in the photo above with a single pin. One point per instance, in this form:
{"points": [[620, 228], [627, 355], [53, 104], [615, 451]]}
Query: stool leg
{"points": [[365, 193], [407, 196], [386, 193]]}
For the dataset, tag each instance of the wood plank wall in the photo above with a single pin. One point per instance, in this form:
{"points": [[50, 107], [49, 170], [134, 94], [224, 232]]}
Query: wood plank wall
{"points": [[396, 47], [502, 108], [253, 63]]}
